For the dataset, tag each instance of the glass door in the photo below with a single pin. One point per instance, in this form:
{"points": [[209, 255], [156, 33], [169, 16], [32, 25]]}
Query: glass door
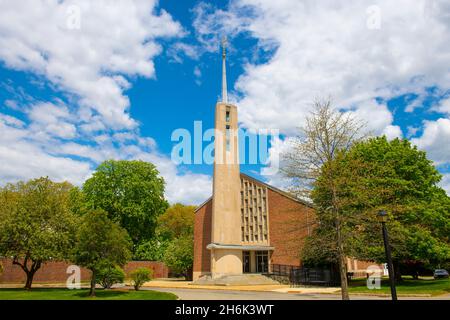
{"points": [[262, 261], [246, 261]]}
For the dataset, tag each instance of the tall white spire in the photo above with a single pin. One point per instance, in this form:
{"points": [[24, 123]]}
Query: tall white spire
{"points": [[224, 71]]}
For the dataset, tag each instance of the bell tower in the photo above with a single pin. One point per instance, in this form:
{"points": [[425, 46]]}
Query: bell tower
{"points": [[226, 252]]}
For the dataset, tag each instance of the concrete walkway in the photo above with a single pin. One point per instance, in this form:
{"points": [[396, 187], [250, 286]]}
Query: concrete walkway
{"points": [[189, 285], [279, 288], [213, 294]]}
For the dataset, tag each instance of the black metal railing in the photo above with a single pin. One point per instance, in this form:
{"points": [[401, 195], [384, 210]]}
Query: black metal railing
{"points": [[281, 269], [306, 276]]}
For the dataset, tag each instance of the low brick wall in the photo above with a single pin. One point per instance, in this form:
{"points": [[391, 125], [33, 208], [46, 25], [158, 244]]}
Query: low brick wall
{"points": [[56, 271]]}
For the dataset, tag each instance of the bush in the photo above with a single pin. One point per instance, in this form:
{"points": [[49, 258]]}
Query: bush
{"points": [[109, 276], [140, 276]]}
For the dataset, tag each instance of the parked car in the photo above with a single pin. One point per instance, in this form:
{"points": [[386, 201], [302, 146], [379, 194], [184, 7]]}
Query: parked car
{"points": [[440, 274]]}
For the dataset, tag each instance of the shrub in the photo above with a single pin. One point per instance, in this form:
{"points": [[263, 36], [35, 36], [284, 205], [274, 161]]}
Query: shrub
{"points": [[109, 276], [141, 275]]}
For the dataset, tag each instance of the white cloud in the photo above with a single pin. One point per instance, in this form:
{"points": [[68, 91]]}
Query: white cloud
{"points": [[117, 40], [180, 49], [114, 40], [323, 48], [392, 132], [53, 120], [443, 106], [445, 182], [434, 140], [23, 159]]}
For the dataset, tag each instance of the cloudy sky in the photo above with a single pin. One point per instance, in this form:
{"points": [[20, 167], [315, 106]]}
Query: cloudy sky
{"points": [[84, 81]]}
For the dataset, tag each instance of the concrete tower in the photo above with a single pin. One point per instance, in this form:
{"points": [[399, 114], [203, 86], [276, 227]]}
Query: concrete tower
{"points": [[226, 251]]}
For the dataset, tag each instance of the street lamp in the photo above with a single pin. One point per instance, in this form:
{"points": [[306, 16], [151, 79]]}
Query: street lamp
{"points": [[382, 217]]}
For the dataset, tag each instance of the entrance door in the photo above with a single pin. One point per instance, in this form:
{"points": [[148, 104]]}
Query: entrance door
{"points": [[262, 261], [246, 261]]}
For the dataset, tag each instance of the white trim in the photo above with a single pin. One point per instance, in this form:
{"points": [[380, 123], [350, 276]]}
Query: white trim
{"points": [[239, 247]]}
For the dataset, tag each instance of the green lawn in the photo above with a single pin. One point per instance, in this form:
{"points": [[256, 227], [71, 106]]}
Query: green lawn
{"points": [[82, 294], [408, 286]]}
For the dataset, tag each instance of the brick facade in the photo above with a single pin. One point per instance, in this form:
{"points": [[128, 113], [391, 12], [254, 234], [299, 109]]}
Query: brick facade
{"points": [[202, 237], [290, 222], [55, 271]]}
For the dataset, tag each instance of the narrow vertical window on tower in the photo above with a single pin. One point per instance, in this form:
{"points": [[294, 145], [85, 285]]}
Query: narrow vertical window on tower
{"points": [[228, 137]]}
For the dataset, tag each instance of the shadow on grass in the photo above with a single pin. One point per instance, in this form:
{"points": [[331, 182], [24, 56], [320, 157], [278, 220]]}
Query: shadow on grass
{"points": [[102, 294], [82, 294]]}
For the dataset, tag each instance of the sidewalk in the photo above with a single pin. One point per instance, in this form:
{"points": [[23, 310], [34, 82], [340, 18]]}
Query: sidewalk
{"points": [[179, 284]]}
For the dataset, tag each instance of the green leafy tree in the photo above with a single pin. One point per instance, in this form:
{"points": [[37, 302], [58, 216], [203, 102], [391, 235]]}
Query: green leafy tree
{"points": [[390, 175], [110, 275], [179, 256], [177, 221], [101, 243], [132, 192], [140, 276], [400, 179], [152, 250], [36, 224], [77, 201]]}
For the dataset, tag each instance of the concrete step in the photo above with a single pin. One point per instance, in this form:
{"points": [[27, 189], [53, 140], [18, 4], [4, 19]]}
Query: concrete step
{"points": [[236, 280]]}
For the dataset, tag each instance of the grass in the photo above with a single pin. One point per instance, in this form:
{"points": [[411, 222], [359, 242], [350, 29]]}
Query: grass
{"points": [[82, 294], [408, 286]]}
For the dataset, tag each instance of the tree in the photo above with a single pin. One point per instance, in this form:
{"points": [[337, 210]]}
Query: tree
{"points": [[152, 250], [179, 256], [36, 224], [394, 176], [140, 276], [101, 243], [132, 192], [326, 133], [77, 201], [177, 221]]}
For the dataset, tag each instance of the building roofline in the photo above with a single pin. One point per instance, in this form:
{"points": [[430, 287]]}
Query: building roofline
{"points": [[277, 190], [202, 204], [282, 192]]}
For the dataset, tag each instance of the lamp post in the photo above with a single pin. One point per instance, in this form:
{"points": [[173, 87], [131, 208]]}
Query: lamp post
{"points": [[382, 217]]}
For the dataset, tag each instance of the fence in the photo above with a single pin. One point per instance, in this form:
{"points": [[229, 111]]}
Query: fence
{"points": [[297, 276]]}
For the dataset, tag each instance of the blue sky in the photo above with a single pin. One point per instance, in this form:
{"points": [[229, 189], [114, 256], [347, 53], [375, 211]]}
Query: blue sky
{"points": [[82, 82]]}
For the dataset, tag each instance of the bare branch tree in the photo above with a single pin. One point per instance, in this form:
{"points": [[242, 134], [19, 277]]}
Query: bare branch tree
{"points": [[326, 133]]}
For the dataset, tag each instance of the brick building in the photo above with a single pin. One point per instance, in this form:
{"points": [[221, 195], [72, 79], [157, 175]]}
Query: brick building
{"points": [[273, 228]]}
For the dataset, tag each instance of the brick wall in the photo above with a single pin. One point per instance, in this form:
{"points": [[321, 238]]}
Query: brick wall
{"points": [[288, 227], [202, 237], [55, 271]]}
